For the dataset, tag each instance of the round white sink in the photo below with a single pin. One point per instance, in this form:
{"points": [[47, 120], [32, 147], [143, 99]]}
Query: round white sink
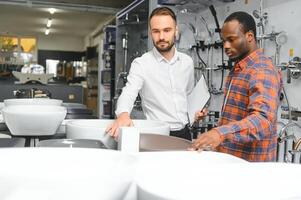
{"points": [[27, 101], [64, 173], [2, 123], [74, 105], [95, 129], [211, 175], [187, 158], [33, 120], [1, 107]]}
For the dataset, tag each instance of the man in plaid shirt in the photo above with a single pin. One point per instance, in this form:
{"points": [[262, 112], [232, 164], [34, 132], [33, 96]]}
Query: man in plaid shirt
{"points": [[247, 128]]}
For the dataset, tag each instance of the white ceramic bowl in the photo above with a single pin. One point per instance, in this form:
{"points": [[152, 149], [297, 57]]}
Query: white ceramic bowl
{"points": [[74, 105], [62, 127], [1, 107], [1, 118], [64, 173], [187, 158], [95, 129], [172, 167], [33, 120], [28, 101], [210, 175]]}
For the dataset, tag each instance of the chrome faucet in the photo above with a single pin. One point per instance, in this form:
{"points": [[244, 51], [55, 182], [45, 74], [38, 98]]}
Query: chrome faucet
{"points": [[283, 132], [297, 144], [284, 137], [296, 151]]}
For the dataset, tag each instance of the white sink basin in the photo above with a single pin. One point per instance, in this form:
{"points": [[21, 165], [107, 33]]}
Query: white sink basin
{"points": [[62, 127], [78, 173], [27, 101], [1, 107], [211, 176], [33, 120], [186, 158], [64, 173], [95, 129]]}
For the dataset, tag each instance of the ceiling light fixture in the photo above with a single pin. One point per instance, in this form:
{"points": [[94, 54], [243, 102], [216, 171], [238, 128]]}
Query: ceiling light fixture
{"points": [[52, 10], [49, 22], [61, 5], [47, 31]]}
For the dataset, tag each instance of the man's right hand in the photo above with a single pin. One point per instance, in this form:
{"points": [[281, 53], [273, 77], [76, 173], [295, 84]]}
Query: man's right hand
{"points": [[201, 114], [122, 120]]}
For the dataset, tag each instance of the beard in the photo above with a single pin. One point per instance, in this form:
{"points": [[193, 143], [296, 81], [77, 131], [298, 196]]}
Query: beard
{"points": [[164, 49], [244, 51], [239, 57]]}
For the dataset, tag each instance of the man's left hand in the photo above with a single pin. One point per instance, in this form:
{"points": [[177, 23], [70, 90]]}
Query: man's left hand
{"points": [[209, 140]]}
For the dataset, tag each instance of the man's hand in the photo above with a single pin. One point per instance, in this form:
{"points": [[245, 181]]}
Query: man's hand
{"points": [[122, 120], [209, 140], [200, 114]]}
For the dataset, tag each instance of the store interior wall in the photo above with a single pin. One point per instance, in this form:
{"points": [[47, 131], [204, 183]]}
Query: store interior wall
{"points": [[282, 16], [60, 43]]}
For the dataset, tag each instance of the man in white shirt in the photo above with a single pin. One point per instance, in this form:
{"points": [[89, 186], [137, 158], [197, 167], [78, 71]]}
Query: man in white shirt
{"points": [[163, 77]]}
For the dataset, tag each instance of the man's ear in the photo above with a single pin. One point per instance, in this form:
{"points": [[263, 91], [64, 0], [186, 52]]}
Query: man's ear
{"points": [[177, 34], [250, 36]]}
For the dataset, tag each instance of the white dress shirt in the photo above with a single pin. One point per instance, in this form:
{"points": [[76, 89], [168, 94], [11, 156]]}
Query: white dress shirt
{"points": [[163, 86]]}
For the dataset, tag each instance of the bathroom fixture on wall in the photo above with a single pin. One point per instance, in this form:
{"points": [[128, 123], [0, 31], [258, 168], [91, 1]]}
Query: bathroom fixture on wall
{"points": [[296, 152], [285, 137], [263, 19], [293, 68]]}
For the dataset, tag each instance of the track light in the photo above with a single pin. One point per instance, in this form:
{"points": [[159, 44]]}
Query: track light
{"points": [[49, 22], [47, 31], [52, 10]]}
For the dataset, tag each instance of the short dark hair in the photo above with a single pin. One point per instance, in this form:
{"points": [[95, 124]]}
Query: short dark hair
{"points": [[247, 21], [163, 11]]}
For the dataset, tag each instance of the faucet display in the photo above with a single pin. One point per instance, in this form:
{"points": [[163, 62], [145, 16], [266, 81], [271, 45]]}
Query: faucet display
{"points": [[284, 137], [298, 144], [296, 151]]}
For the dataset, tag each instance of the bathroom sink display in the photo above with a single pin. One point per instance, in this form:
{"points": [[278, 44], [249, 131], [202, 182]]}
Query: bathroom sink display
{"points": [[95, 129], [33, 120], [28, 101], [64, 173], [211, 176]]}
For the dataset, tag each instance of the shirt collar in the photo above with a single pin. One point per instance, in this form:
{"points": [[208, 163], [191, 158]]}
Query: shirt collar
{"points": [[160, 58], [248, 60]]}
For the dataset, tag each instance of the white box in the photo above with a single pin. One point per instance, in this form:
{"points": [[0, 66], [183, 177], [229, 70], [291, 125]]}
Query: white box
{"points": [[128, 139]]}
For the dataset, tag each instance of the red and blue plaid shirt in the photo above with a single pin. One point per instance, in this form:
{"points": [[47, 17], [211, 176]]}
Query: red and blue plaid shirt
{"points": [[249, 115]]}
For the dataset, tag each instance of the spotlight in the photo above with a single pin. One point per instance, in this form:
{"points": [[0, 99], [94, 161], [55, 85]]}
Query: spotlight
{"points": [[47, 31], [52, 10], [49, 22]]}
